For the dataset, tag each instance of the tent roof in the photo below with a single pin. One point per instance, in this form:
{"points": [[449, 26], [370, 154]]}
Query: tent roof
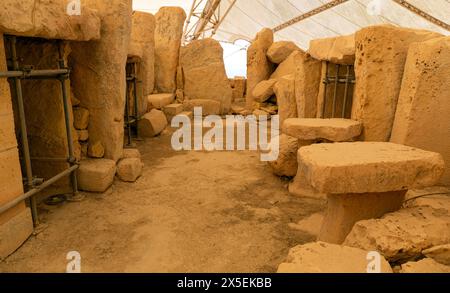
{"points": [[247, 17]]}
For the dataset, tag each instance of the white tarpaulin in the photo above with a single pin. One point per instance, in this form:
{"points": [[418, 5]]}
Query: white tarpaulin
{"points": [[247, 17]]}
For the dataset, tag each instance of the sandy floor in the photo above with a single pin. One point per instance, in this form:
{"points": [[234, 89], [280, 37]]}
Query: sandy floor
{"points": [[189, 212]]}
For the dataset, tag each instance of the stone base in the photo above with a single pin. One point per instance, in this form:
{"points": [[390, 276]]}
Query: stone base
{"points": [[15, 232], [344, 210], [301, 187]]}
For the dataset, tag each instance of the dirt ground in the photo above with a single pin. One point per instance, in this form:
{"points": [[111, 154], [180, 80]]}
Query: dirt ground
{"points": [[189, 212]]}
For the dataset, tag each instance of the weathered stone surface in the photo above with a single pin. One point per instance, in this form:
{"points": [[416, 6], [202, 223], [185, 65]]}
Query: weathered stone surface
{"points": [[402, 235], [204, 73], [15, 231], [310, 225], [239, 85], [286, 164], [96, 150], [209, 107], [280, 51], [338, 50], [335, 130], [307, 84], [179, 95], [264, 90], [424, 266], [180, 78], [285, 91], [380, 59], [48, 19], [152, 123], [131, 153], [169, 22], [300, 186], [440, 254], [96, 175], [83, 135], [361, 167], [259, 67], [320, 257], [142, 44], [81, 118], [98, 74], [288, 66], [130, 169], [172, 110], [423, 111], [159, 101]]}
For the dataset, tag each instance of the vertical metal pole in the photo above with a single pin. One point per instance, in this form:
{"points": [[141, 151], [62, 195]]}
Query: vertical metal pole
{"points": [[72, 160], [24, 133], [336, 82], [136, 109], [347, 80], [127, 113], [324, 106]]}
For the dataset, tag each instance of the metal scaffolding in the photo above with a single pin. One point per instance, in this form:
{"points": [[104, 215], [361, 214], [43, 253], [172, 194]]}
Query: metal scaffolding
{"points": [[34, 185], [131, 93]]}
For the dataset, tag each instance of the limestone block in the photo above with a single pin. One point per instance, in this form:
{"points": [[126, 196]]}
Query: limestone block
{"points": [[380, 60], [338, 50], [424, 266], [280, 51], [204, 72], [209, 107], [159, 101], [264, 90], [423, 111], [289, 65], [142, 44], [180, 78], [188, 114], [152, 123], [320, 257], [286, 164], [130, 169], [440, 254], [307, 84], [7, 134], [261, 115], [15, 232], [286, 100], [300, 186], [169, 22], [98, 74], [96, 175], [96, 150], [172, 110], [131, 153], [49, 20], [179, 94], [81, 118], [361, 167], [83, 135], [402, 235], [240, 84], [335, 130], [259, 67]]}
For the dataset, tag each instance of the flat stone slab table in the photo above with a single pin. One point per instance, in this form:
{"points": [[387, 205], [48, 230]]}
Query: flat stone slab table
{"points": [[364, 180]]}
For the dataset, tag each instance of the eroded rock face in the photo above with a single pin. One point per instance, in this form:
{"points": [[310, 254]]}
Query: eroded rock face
{"points": [[307, 85], [98, 74], [204, 73], [209, 107], [239, 85], [259, 67], [286, 164], [321, 257], [440, 253], [130, 169], [402, 235], [168, 34], [159, 101], [96, 175], [424, 266], [338, 50], [152, 123], [286, 100], [48, 19], [423, 109], [142, 44], [264, 90], [380, 60], [288, 66], [280, 51]]}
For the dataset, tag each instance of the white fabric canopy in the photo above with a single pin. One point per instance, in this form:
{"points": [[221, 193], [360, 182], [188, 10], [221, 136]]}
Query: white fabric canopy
{"points": [[247, 17]]}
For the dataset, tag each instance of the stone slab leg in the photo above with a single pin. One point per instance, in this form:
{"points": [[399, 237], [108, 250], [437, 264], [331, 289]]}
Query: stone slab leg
{"points": [[344, 210]]}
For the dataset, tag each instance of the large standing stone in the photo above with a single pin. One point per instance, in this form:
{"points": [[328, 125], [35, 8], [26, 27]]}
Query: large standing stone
{"points": [[423, 111], [380, 59], [320, 257], [288, 66], [338, 50], [285, 91], [152, 123], [142, 44], [279, 51], [307, 84], [286, 164], [98, 74], [96, 175], [204, 73], [168, 34], [264, 90], [259, 67]]}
